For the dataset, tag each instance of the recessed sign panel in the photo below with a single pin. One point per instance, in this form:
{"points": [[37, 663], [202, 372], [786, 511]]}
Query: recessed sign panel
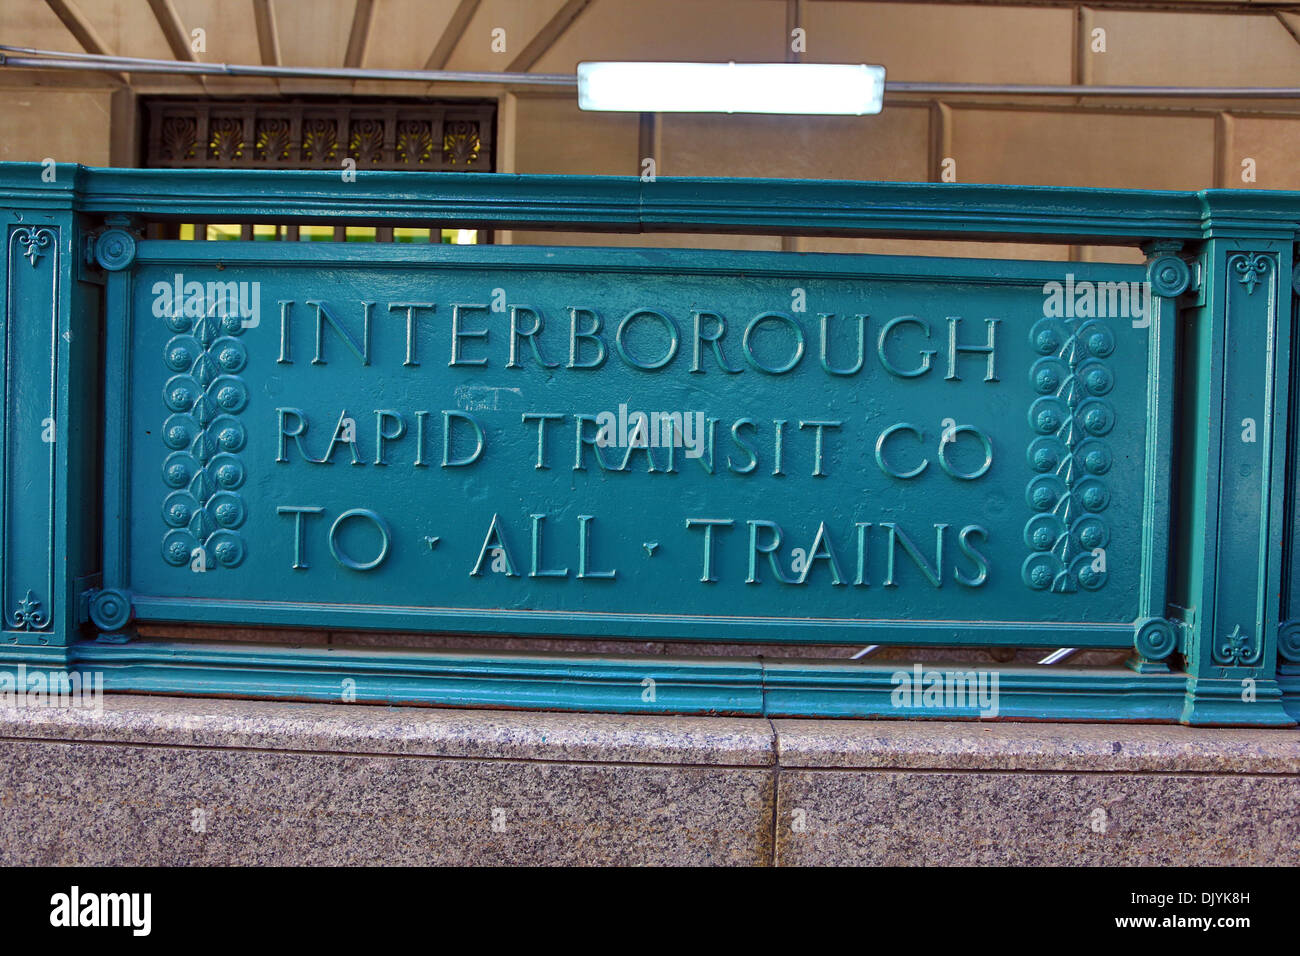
{"points": [[720, 446]]}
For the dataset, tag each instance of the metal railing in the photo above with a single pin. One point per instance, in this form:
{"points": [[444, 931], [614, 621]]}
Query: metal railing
{"points": [[889, 450]]}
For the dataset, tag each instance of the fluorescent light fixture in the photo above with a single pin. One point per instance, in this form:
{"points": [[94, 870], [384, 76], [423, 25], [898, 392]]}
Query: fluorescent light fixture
{"points": [[799, 88]]}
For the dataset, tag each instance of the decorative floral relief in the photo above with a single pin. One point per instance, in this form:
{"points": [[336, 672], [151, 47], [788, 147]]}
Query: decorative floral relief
{"points": [[460, 143], [1067, 533], [205, 395], [366, 143], [272, 139], [414, 142], [28, 615], [35, 241], [179, 139], [226, 138], [320, 140], [1237, 649], [1250, 268]]}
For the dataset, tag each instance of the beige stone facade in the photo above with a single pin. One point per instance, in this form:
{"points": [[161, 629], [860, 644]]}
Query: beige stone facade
{"points": [[1157, 142]]}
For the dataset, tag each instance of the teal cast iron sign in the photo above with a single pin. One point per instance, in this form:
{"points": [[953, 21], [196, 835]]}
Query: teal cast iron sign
{"points": [[561, 441], [768, 448]]}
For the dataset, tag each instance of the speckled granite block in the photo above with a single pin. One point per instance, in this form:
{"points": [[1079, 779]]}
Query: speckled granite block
{"points": [[292, 783], [70, 803], [951, 792], [413, 731], [903, 818], [969, 745]]}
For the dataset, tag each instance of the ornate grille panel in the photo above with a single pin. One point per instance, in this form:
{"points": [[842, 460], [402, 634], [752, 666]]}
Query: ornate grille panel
{"points": [[446, 136]]}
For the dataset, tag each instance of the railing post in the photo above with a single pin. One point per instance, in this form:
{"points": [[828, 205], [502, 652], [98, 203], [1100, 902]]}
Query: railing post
{"points": [[1235, 394], [1288, 638], [49, 505], [1169, 277]]}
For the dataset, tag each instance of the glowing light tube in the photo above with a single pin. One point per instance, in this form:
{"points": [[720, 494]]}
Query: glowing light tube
{"points": [[797, 88]]}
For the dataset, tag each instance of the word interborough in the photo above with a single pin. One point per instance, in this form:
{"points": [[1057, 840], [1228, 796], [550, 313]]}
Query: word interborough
{"points": [[645, 338], [492, 427]]}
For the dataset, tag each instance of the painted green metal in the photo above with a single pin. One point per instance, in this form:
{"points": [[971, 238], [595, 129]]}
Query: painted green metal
{"points": [[862, 449]]}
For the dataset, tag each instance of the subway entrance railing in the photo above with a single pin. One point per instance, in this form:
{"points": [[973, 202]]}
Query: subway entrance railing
{"points": [[670, 445]]}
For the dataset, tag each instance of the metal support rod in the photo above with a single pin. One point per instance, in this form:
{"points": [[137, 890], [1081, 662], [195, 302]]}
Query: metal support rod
{"points": [[1058, 655], [45, 59], [33, 59], [1037, 89]]}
